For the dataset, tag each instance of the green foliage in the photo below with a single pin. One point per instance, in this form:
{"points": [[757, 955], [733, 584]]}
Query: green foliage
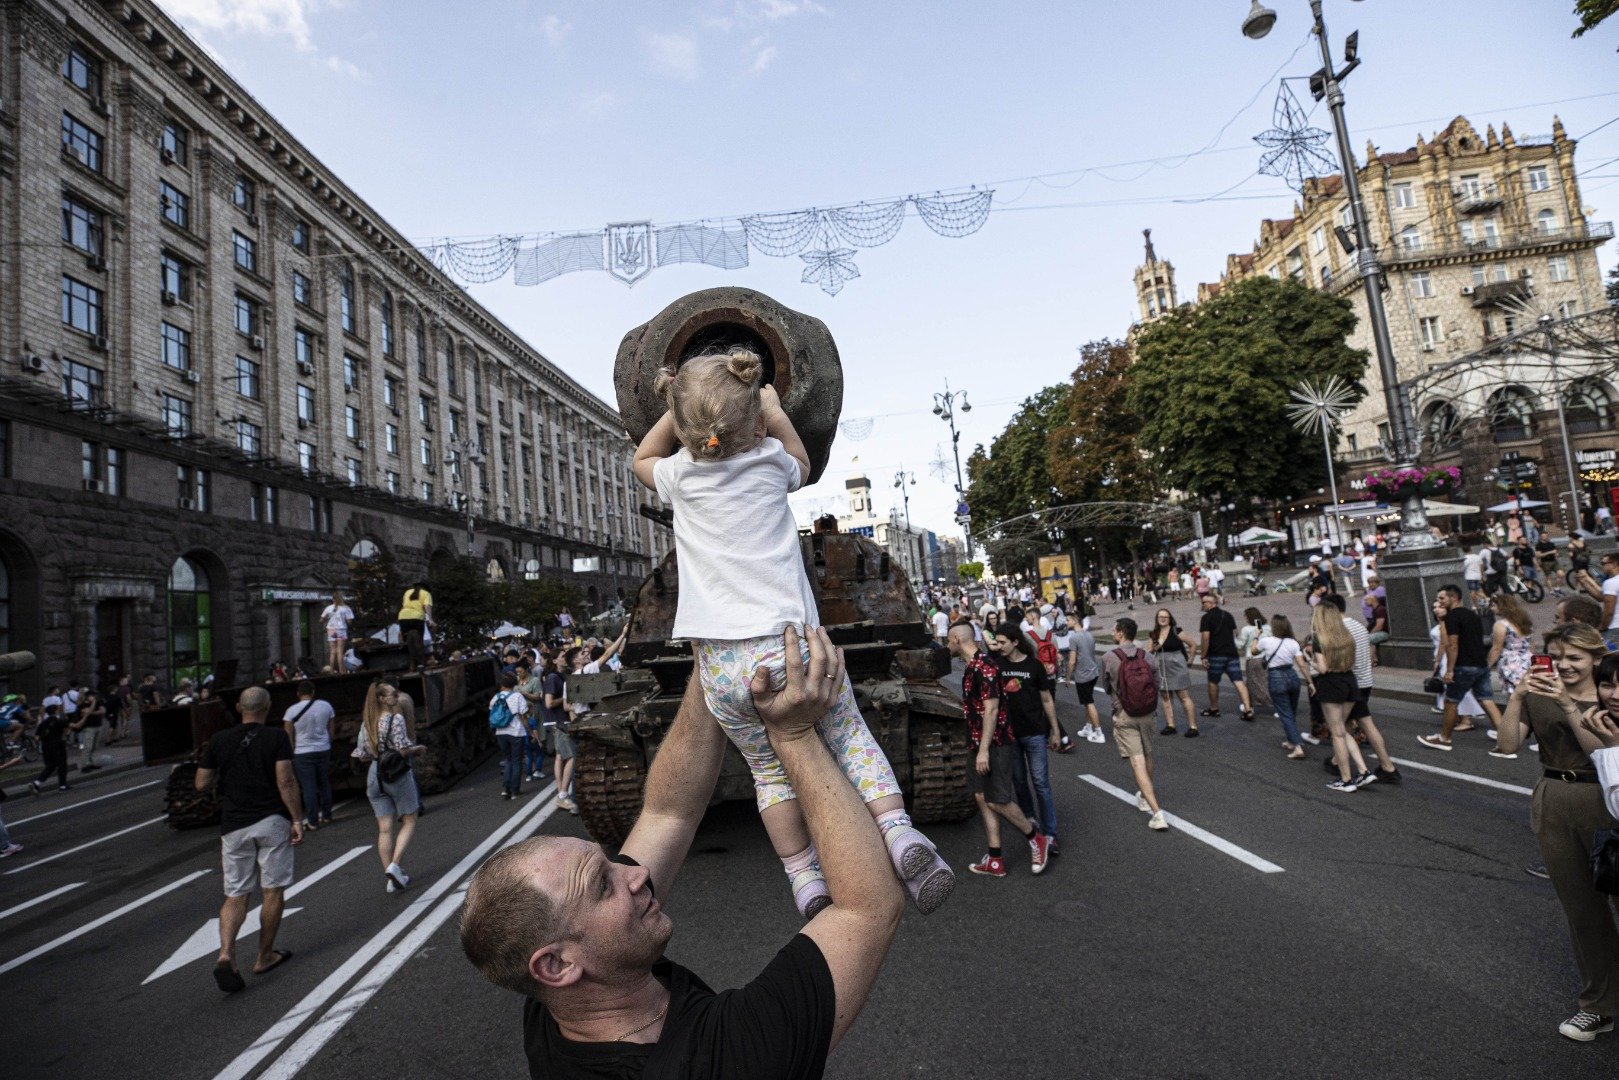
{"points": [[971, 571], [1613, 278], [1211, 386], [535, 604], [466, 604], [1592, 12], [374, 591], [1013, 476], [1093, 456]]}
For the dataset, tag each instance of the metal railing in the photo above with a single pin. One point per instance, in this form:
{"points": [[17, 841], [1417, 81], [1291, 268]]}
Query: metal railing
{"points": [[1503, 241]]}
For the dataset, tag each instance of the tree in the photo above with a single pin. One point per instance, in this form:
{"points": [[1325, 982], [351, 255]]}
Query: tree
{"points": [[535, 604], [1613, 279], [1093, 456], [1013, 476], [1592, 12], [1211, 386], [971, 571], [466, 604]]}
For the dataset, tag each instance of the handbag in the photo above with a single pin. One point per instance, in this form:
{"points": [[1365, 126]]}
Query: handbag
{"points": [[391, 764], [1433, 684], [1605, 862]]}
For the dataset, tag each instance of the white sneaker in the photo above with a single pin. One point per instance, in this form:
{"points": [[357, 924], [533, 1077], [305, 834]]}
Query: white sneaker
{"points": [[1141, 803], [1311, 739], [1085, 732], [1492, 734], [1097, 736], [1157, 822], [397, 876], [391, 886]]}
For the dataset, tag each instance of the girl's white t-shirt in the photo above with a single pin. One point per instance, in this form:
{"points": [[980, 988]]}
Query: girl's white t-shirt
{"points": [[1278, 652], [337, 617], [736, 543], [518, 704]]}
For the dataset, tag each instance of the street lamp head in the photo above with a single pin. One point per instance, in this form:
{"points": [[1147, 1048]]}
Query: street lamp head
{"points": [[1259, 21], [1545, 318], [966, 406], [938, 410]]}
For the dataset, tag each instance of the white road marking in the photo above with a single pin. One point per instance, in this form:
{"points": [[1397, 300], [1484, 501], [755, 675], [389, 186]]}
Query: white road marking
{"points": [[205, 941], [53, 894], [1264, 866], [90, 844], [266, 1044], [103, 921], [86, 802], [1516, 789]]}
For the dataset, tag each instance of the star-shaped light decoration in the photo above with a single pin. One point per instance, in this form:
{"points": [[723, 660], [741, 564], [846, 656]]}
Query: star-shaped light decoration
{"points": [[830, 267], [1320, 405], [1293, 148]]}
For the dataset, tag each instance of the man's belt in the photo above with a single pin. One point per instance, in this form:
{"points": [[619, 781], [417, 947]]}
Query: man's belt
{"points": [[1570, 776]]}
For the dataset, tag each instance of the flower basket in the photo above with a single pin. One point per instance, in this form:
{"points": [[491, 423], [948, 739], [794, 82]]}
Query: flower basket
{"points": [[1397, 485]]}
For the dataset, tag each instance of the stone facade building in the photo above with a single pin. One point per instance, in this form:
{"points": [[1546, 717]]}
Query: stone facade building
{"points": [[223, 377]]}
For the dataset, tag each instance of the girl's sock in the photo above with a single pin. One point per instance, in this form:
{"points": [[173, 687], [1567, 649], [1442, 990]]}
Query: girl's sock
{"points": [[807, 881], [909, 851]]}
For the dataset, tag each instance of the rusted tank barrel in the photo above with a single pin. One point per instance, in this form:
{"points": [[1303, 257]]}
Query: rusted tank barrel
{"points": [[800, 360]]}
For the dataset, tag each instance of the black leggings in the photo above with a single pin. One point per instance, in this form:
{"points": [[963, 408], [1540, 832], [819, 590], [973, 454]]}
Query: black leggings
{"points": [[55, 762]]}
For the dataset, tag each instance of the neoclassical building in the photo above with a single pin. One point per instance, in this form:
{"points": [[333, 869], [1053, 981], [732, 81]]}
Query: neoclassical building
{"points": [[223, 376]]}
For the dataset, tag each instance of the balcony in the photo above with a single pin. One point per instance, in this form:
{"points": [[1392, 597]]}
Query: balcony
{"points": [[1477, 198], [1507, 240], [1499, 293]]}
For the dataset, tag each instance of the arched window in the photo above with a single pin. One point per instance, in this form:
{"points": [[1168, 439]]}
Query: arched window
{"points": [[421, 348], [495, 570], [1326, 277], [191, 621], [531, 570], [345, 285], [1511, 410], [387, 323], [1439, 425], [364, 550], [1411, 238], [1588, 406], [1546, 221]]}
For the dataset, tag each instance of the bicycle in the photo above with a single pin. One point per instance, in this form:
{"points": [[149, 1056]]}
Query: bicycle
{"points": [[1532, 591], [25, 745]]}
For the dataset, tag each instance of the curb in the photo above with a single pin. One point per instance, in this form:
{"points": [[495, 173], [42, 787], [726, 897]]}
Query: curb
{"points": [[105, 770]]}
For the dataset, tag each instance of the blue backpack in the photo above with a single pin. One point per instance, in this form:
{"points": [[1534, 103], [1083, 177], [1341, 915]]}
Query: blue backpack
{"points": [[500, 713]]}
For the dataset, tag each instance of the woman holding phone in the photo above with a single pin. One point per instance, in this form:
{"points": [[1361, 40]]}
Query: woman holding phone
{"points": [[1567, 810]]}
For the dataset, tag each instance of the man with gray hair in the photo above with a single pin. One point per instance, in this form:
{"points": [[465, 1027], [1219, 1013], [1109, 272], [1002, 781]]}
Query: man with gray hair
{"points": [[259, 806]]}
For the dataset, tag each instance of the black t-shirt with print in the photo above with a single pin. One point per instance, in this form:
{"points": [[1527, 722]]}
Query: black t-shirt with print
{"points": [[1021, 683], [777, 1026], [245, 757], [1464, 625], [1222, 631]]}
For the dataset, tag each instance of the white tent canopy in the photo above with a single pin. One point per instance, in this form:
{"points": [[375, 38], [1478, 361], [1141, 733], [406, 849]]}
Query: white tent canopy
{"points": [[507, 630], [1517, 504], [1260, 535]]}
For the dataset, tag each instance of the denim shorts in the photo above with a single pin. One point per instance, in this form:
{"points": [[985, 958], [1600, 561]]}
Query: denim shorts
{"points": [[1475, 679], [1229, 666]]}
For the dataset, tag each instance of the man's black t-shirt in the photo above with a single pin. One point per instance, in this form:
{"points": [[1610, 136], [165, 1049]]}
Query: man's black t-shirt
{"points": [[1021, 683], [777, 1026], [1222, 631], [147, 692], [245, 757], [1463, 624]]}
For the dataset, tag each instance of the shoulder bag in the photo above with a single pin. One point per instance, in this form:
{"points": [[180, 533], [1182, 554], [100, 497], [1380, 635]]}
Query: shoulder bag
{"points": [[1605, 862], [391, 764]]}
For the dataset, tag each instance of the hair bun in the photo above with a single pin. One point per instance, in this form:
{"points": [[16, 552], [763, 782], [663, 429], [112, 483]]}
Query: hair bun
{"points": [[744, 364], [663, 382]]}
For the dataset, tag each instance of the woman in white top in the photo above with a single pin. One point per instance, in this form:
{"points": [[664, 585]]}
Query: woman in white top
{"points": [[1284, 671], [724, 457], [337, 615], [382, 730]]}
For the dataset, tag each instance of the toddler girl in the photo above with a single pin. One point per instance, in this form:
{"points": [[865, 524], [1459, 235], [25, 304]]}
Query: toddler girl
{"points": [[724, 457]]}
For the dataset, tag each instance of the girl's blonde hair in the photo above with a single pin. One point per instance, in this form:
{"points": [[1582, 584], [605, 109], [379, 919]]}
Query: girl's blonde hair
{"points": [[374, 711], [1332, 638], [714, 399]]}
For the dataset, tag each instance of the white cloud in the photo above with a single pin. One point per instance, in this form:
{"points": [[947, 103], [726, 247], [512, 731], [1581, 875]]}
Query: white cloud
{"points": [[762, 52], [266, 18], [781, 9], [345, 67], [555, 28], [674, 55], [599, 104]]}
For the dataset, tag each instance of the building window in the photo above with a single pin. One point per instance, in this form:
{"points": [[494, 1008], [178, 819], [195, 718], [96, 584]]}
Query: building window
{"points": [[1568, 309], [175, 204], [306, 457], [425, 446], [351, 421], [114, 472], [247, 378], [191, 633], [1275, 272], [1326, 277], [81, 306], [1405, 196], [320, 514], [193, 485], [427, 491], [82, 70], [264, 504], [1471, 187], [81, 383], [1478, 275], [421, 349], [390, 391], [392, 480], [1422, 285], [1557, 268], [243, 195], [82, 227], [390, 437], [477, 385], [450, 381], [90, 465], [1539, 178], [300, 235], [247, 315], [1511, 412], [176, 347], [1432, 331], [455, 424], [345, 282], [176, 415], [351, 372], [102, 468], [81, 141], [248, 437], [352, 468], [387, 323], [1546, 222], [175, 141], [306, 403], [303, 291], [175, 275], [1318, 239], [303, 345], [246, 251], [1411, 238]]}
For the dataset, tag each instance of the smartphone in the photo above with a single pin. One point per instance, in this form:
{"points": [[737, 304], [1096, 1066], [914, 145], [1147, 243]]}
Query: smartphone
{"points": [[1540, 662]]}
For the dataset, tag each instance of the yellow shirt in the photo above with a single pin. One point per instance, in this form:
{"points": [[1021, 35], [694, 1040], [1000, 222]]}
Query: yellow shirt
{"points": [[415, 609]]}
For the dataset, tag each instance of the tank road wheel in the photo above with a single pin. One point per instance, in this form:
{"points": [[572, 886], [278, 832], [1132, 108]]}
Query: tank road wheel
{"points": [[189, 808], [607, 785], [940, 758]]}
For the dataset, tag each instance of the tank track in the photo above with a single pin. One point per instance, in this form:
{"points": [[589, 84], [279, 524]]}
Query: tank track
{"points": [[189, 808], [939, 763], [454, 747], [607, 784]]}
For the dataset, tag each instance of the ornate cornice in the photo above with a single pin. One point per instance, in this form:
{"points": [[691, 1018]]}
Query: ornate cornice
{"points": [[40, 32], [145, 111]]}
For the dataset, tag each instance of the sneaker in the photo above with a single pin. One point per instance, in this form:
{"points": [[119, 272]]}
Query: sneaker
{"points": [[1436, 709], [1532, 746], [1248, 715], [1344, 786], [33, 785], [1537, 870], [1311, 739], [909, 851], [1157, 823], [989, 866], [90, 768], [1435, 742], [391, 886], [506, 795], [1492, 735], [567, 804], [930, 890], [1097, 736], [9, 850], [809, 891], [63, 787], [1584, 1026], [1039, 852], [1503, 755], [1365, 778], [1141, 803], [396, 875], [1389, 776], [1167, 731], [1085, 732]]}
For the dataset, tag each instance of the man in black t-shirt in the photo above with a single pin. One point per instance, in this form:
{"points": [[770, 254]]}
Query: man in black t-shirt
{"points": [[581, 935], [1467, 665], [1219, 649], [259, 806]]}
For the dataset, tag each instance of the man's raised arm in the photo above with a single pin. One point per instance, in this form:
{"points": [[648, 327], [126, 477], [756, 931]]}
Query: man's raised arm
{"points": [[678, 789]]}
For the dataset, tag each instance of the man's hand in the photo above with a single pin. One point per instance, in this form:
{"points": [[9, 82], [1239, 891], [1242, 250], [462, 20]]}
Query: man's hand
{"points": [[793, 712], [982, 763], [297, 834], [1600, 723]]}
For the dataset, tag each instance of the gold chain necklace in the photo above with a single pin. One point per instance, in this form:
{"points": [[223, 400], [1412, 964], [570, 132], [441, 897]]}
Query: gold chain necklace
{"points": [[646, 1025]]}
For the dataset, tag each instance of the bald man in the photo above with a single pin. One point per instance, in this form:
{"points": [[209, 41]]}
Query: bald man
{"points": [[582, 935]]}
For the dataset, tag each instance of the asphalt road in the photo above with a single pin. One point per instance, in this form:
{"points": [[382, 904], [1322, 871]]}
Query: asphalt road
{"points": [[1396, 933]]}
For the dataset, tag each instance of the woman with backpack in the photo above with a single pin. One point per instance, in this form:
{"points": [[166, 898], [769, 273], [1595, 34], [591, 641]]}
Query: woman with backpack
{"points": [[389, 782], [507, 710], [1172, 649]]}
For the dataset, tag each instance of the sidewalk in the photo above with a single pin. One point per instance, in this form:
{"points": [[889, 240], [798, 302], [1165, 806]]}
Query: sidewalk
{"points": [[122, 756]]}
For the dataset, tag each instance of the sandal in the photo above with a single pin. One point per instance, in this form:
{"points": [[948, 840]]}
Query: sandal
{"points": [[1209, 712], [1168, 731], [281, 957], [1463, 727], [1192, 733], [228, 978]]}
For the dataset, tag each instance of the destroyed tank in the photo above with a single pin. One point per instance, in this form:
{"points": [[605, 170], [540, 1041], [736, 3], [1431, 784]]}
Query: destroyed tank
{"points": [[451, 721], [863, 597]]}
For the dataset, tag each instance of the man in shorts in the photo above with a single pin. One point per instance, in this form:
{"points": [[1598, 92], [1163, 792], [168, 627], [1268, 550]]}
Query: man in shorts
{"points": [[1219, 649], [1132, 733], [259, 813], [554, 721], [990, 777]]}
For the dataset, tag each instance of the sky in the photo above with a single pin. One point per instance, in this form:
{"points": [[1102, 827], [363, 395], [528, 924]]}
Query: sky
{"points": [[530, 116]]}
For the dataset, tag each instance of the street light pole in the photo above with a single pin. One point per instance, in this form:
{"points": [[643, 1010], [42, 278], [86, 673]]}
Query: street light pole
{"points": [[465, 453], [1571, 522], [944, 407], [900, 480]]}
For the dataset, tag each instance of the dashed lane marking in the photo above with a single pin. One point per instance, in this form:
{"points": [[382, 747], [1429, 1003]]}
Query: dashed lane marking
{"points": [[1451, 774], [52, 895], [89, 844], [86, 802], [1242, 855], [103, 921]]}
